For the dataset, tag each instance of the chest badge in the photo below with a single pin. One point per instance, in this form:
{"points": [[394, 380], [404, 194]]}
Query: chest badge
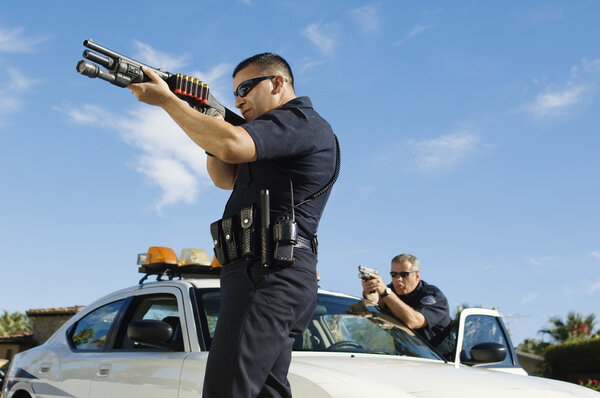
{"points": [[428, 300]]}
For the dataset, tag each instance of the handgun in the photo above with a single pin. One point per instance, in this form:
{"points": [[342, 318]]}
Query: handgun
{"points": [[363, 273]]}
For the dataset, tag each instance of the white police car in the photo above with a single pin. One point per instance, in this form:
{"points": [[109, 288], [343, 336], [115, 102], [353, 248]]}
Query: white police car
{"points": [[152, 340]]}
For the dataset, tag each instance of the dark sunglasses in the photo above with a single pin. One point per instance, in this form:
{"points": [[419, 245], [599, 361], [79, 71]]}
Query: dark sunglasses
{"points": [[403, 274], [244, 87]]}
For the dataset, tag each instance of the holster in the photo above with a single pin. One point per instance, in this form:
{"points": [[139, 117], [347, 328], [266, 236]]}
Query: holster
{"points": [[217, 234], [248, 232], [230, 228], [285, 237], [235, 237]]}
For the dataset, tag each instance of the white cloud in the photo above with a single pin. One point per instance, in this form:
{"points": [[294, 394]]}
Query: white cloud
{"points": [[166, 155], [365, 189], [175, 180], [415, 31], [158, 59], [593, 287], [444, 152], [219, 80], [540, 260], [551, 102], [367, 18], [11, 90], [13, 41], [18, 81], [88, 114], [591, 66], [8, 104], [529, 298], [573, 95], [308, 64], [321, 36], [596, 254], [547, 14]]}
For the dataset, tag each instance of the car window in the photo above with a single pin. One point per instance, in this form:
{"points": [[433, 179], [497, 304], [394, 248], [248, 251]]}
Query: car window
{"points": [[339, 324], [90, 332], [161, 307], [209, 302], [484, 329]]}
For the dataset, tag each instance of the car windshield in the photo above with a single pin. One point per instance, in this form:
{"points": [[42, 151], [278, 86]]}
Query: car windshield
{"points": [[338, 324]]}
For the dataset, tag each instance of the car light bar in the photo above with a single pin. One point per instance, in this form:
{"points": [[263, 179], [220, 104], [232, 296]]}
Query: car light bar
{"points": [[162, 261]]}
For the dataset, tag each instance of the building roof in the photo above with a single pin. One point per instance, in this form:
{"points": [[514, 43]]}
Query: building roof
{"points": [[55, 311], [21, 337]]}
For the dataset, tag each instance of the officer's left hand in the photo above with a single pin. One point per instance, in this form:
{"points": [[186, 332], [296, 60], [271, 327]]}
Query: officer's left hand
{"points": [[155, 92], [374, 284]]}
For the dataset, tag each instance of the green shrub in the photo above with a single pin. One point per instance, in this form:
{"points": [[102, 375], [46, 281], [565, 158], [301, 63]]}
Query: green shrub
{"points": [[573, 361]]}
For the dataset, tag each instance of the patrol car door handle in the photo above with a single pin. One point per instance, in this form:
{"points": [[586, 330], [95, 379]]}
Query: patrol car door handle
{"points": [[103, 370], [45, 368]]}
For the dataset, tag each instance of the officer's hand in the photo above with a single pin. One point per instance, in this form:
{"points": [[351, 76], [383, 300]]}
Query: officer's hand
{"points": [[375, 284], [155, 92]]}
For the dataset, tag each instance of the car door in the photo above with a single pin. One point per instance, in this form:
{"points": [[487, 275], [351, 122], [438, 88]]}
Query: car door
{"points": [[131, 369], [479, 327], [67, 370]]}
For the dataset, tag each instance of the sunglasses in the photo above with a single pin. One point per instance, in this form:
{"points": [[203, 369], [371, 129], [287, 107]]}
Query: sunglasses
{"points": [[244, 87], [402, 274]]}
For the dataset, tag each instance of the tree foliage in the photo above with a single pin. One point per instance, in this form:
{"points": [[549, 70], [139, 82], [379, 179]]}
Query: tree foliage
{"points": [[15, 322], [575, 327], [533, 346]]}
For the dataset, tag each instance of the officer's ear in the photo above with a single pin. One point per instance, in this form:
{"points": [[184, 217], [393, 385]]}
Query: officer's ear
{"points": [[278, 83]]}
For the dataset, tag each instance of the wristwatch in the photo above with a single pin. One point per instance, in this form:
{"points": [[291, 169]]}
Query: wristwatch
{"points": [[386, 292]]}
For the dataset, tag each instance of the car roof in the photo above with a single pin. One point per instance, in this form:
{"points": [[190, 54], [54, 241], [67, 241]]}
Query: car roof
{"points": [[201, 282]]}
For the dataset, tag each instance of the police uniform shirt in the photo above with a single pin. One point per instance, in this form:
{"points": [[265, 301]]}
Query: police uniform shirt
{"points": [[292, 142], [431, 302]]}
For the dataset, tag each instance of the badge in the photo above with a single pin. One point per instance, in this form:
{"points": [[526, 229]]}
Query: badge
{"points": [[428, 300]]}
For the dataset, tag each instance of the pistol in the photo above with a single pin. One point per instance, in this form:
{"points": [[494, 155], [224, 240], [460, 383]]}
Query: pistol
{"points": [[363, 272], [122, 71]]}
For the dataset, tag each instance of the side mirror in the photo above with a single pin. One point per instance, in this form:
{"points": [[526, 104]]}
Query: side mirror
{"points": [[152, 333], [485, 353]]}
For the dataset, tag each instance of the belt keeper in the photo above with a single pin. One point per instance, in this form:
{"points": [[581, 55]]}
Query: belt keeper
{"points": [[314, 244]]}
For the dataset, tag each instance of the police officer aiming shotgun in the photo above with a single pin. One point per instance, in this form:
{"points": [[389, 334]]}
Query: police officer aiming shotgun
{"points": [[283, 157]]}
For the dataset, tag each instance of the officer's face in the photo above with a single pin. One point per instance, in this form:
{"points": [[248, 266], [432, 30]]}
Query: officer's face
{"points": [[260, 99], [405, 285]]}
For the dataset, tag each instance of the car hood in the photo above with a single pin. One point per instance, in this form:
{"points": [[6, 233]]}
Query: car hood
{"points": [[319, 375]]}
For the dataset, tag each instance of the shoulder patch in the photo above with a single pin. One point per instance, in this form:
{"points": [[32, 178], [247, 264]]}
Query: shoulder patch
{"points": [[428, 300]]}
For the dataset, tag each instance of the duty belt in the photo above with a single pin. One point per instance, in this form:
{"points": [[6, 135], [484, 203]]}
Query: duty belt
{"points": [[310, 244]]}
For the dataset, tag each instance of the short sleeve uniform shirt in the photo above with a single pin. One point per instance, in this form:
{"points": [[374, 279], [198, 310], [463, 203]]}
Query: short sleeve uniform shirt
{"points": [[294, 143]]}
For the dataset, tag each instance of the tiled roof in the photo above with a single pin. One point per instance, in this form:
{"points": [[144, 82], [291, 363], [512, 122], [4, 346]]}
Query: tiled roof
{"points": [[55, 311], [15, 337]]}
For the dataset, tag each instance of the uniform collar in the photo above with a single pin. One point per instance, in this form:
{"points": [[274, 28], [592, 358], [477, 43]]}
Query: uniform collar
{"points": [[302, 102]]}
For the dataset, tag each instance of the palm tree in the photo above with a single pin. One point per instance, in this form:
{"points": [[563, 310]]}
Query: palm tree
{"points": [[11, 323], [575, 327]]}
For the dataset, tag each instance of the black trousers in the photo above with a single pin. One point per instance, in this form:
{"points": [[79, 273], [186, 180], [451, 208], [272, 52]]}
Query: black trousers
{"points": [[262, 309]]}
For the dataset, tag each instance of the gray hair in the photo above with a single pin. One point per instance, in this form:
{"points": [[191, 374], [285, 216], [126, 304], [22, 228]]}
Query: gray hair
{"points": [[400, 258]]}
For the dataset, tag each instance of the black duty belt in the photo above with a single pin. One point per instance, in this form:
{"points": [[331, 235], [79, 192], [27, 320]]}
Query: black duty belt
{"points": [[310, 244]]}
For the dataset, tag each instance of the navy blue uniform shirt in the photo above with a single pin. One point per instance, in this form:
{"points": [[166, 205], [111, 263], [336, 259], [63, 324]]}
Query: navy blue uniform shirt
{"points": [[431, 302], [295, 142]]}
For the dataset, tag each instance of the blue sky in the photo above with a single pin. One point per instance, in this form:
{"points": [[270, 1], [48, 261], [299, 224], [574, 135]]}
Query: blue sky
{"points": [[469, 134]]}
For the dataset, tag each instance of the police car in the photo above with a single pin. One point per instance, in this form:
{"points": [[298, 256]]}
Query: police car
{"points": [[152, 340]]}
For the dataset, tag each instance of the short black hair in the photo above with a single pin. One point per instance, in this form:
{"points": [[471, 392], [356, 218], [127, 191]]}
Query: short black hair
{"points": [[268, 63]]}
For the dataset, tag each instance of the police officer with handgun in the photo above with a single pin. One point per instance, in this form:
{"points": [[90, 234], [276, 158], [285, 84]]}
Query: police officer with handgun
{"points": [[421, 306], [280, 165]]}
